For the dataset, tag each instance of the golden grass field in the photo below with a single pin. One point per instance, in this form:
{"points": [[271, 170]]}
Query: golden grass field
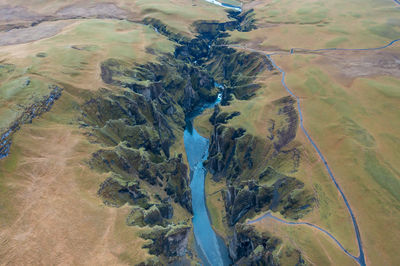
{"points": [[49, 210], [350, 103]]}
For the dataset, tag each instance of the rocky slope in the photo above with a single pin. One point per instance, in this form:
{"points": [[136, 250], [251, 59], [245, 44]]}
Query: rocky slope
{"points": [[139, 125], [29, 113], [250, 167]]}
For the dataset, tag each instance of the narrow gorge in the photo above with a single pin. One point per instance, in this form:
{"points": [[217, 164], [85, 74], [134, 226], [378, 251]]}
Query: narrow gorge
{"points": [[141, 128]]}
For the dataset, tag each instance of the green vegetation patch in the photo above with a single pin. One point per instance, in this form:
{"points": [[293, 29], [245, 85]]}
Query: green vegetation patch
{"points": [[357, 132], [18, 94], [385, 30], [41, 55], [389, 90], [6, 70], [336, 42], [304, 11], [231, 2], [382, 175]]}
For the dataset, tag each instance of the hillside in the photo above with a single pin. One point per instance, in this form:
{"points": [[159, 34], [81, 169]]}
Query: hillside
{"points": [[296, 106]]}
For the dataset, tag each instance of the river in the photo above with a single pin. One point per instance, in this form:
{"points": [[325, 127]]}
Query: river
{"points": [[211, 247]]}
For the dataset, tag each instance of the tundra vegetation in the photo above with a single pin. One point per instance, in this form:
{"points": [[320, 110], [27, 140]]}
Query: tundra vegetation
{"points": [[95, 96]]}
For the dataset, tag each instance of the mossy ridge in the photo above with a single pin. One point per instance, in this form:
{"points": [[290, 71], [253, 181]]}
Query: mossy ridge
{"points": [[257, 170], [136, 136], [251, 247], [34, 109]]}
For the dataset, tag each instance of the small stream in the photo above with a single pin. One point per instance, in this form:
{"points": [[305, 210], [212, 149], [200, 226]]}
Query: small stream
{"points": [[211, 248], [237, 8]]}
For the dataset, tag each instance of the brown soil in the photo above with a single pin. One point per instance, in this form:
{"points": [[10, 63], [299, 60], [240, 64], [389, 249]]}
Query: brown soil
{"points": [[25, 35], [352, 64], [21, 25]]}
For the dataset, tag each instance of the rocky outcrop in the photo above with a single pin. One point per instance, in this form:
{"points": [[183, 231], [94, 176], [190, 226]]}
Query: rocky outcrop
{"points": [[169, 241], [138, 125], [29, 113], [130, 164], [238, 201], [249, 165], [250, 247], [219, 117], [280, 196], [236, 70], [165, 30], [116, 191], [283, 135]]}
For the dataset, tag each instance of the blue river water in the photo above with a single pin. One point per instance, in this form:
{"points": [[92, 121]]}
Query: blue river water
{"points": [[213, 250]]}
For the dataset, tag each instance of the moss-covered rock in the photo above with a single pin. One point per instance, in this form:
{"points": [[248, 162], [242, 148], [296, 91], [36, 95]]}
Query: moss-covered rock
{"points": [[35, 109], [137, 125], [153, 261], [250, 247], [249, 165], [116, 191], [219, 117], [244, 200], [166, 209], [152, 216], [136, 217], [169, 241]]}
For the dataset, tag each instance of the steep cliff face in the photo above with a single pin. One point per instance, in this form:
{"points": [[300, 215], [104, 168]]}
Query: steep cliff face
{"points": [[250, 247], [138, 133], [138, 124], [30, 112], [170, 241], [171, 79], [250, 165], [256, 172]]}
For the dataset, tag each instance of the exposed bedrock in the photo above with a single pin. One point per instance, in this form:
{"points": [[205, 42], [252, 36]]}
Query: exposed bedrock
{"points": [[169, 241], [256, 172], [250, 166], [29, 113], [250, 247]]}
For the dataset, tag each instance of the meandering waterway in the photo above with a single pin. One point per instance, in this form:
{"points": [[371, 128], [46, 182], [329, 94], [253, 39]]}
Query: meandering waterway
{"points": [[212, 249]]}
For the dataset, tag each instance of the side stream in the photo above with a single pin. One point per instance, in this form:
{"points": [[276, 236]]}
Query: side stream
{"points": [[212, 248]]}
